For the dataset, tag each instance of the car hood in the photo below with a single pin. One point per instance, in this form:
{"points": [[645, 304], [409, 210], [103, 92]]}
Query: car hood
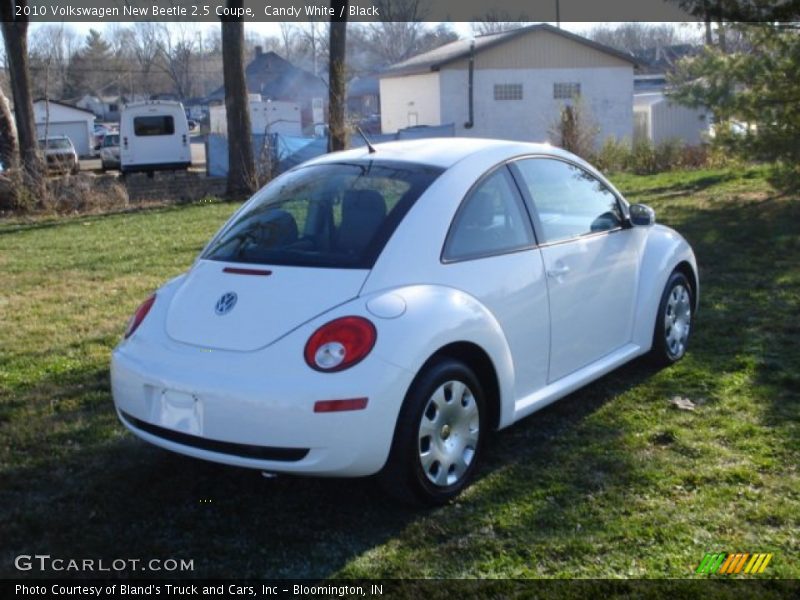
{"points": [[260, 308]]}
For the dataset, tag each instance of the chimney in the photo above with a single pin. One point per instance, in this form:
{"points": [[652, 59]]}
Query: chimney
{"points": [[259, 51]]}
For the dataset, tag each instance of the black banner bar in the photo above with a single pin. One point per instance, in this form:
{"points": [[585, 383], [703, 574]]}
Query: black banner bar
{"points": [[358, 10], [702, 587]]}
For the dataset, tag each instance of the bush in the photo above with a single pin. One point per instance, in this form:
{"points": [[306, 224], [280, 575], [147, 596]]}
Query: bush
{"points": [[575, 130], [69, 193], [614, 155], [85, 192], [643, 158]]}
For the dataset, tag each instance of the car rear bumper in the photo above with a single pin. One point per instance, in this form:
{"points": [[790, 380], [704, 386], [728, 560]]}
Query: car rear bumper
{"points": [[218, 406]]}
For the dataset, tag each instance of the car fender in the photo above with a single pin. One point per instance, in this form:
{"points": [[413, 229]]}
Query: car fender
{"points": [[429, 317], [664, 249]]}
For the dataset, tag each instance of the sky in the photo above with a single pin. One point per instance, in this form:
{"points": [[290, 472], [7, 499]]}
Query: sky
{"points": [[272, 29]]}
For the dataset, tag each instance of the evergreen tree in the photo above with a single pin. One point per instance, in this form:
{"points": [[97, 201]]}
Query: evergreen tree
{"points": [[754, 95]]}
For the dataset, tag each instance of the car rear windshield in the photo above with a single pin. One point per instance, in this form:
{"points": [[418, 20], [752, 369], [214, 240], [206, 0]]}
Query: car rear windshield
{"points": [[153, 125], [56, 144], [333, 215], [111, 139]]}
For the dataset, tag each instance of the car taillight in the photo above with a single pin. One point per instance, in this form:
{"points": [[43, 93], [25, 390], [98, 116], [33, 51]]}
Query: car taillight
{"points": [[340, 344], [139, 315]]}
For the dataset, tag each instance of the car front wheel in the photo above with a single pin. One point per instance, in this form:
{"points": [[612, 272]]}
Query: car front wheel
{"points": [[674, 321], [439, 435]]}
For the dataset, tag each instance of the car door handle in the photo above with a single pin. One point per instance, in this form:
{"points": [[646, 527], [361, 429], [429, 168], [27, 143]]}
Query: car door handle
{"points": [[558, 271]]}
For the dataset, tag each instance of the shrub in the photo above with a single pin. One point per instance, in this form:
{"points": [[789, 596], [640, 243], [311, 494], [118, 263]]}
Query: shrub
{"points": [[69, 193], [574, 130], [614, 155], [643, 158]]}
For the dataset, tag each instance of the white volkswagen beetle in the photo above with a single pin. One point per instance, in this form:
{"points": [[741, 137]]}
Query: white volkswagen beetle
{"points": [[381, 311]]}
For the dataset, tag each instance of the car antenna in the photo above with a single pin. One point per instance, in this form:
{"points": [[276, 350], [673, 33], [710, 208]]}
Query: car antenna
{"points": [[366, 139]]}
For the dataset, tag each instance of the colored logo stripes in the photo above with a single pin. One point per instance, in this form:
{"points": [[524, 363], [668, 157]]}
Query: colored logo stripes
{"points": [[731, 564]]}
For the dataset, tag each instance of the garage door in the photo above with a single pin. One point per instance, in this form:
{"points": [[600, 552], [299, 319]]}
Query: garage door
{"points": [[77, 131]]}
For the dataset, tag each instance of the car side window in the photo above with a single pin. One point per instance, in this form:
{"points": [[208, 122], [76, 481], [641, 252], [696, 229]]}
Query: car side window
{"points": [[491, 220], [570, 202]]}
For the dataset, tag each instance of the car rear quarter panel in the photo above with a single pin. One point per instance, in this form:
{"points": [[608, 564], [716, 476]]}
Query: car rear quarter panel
{"points": [[437, 316]]}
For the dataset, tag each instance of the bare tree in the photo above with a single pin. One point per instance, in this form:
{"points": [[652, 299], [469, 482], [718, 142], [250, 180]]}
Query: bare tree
{"points": [[396, 36], [145, 46], [15, 36], [288, 37], [337, 77], [316, 36], [241, 166], [177, 47], [497, 21], [50, 50], [636, 37]]}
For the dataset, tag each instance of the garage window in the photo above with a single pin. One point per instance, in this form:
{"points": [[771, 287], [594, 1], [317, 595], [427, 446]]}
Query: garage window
{"points": [[508, 91], [564, 91], [155, 125]]}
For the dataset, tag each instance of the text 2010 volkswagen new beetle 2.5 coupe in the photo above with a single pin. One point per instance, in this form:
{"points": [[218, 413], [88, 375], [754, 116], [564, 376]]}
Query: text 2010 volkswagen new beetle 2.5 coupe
{"points": [[380, 311]]}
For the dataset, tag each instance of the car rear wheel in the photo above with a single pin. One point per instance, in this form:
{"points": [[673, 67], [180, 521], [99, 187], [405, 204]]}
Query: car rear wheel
{"points": [[439, 435], [674, 321]]}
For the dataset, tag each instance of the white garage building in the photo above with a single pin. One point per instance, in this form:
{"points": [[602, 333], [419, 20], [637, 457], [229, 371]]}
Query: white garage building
{"points": [[58, 118], [521, 80]]}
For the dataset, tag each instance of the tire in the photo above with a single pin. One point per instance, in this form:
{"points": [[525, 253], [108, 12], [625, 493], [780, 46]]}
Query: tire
{"points": [[673, 321], [439, 436]]}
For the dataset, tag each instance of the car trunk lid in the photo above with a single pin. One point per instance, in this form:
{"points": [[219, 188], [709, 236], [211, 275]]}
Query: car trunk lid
{"points": [[245, 307]]}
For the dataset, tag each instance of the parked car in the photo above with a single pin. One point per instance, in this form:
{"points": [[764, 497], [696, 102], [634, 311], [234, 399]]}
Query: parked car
{"points": [[371, 125], [59, 153], [379, 311], [109, 152], [194, 126], [154, 135], [100, 132]]}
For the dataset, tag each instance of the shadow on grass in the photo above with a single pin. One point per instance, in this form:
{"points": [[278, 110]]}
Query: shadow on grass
{"points": [[106, 494]]}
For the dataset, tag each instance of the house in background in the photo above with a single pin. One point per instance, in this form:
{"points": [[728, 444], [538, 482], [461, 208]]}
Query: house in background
{"points": [[657, 119], [54, 118], [364, 96], [107, 108], [276, 79], [521, 80]]}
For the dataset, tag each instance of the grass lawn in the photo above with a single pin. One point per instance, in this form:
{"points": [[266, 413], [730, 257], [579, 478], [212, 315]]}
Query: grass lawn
{"points": [[612, 481]]}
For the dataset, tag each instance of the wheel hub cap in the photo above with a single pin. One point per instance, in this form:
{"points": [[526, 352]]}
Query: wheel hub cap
{"points": [[677, 320], [448, 433]]}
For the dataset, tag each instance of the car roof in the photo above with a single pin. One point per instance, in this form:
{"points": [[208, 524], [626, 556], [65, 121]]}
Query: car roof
{"points": [[440, 152]]}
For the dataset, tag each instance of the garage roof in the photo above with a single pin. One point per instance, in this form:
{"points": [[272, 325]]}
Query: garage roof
{"points": [[434, 59]]}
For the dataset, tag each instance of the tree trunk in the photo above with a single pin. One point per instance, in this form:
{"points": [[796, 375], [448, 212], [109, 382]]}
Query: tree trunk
{"points": [[15, 35], [241, 167], [337, 136], [8, 137]]}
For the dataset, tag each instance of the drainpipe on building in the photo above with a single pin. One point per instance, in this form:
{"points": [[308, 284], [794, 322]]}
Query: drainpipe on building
{"points": [[470, 93]]}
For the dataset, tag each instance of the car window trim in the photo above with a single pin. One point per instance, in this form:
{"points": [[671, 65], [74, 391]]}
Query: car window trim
{"points": [[521, 204], [519, 178]]}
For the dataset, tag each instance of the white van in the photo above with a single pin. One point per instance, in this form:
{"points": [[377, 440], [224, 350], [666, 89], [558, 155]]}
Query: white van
{"points": [[154, 135]]}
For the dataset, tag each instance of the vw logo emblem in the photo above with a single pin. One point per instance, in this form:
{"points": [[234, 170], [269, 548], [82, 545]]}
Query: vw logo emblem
{"points": [[226, 303]]}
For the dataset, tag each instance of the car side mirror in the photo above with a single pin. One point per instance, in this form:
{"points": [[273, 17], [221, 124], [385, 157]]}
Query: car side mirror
{"points": [[642, 215]]}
